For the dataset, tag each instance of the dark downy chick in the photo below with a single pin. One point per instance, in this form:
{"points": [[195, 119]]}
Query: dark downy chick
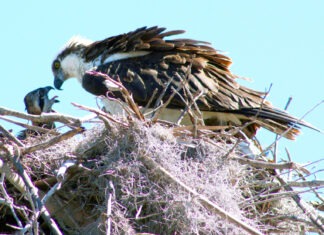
{"points": [[36, 103]]}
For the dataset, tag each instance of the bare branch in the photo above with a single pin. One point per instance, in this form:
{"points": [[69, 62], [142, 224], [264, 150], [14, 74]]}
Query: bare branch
{"points": [[52, 141], [29, 127], [304, 206], [304, 184], [269, 165], [10, 136], [32, 190], [100, 113], [45, 117], [12, 177], [159, 171], [8, 200]]}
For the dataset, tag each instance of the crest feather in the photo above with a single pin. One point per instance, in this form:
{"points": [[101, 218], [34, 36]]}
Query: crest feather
{"points": [[76, 44], [78, 40]]}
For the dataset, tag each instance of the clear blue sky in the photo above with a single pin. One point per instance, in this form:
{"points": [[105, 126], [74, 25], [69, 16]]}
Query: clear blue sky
{"points": [[278, 42]]}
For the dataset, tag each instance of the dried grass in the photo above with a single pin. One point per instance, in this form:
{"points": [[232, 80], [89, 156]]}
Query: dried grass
{"points": [[135, 177]]}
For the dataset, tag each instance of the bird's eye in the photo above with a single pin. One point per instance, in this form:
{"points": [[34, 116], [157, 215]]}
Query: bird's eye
{"points": [[56, 64]]}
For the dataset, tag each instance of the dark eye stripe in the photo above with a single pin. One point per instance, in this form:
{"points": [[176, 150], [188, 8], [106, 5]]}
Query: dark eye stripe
{"points": [[56, 64]]}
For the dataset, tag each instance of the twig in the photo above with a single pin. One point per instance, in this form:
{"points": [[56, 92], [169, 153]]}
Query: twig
{"points": [[8, 200], [10, 136], [174, 92], [12, 177], [193, 100], [44, 117], [111, 190], [269, 165], [52, 141], [99, 113], [40, 208], [161, 108], [232, 148], [269, 197], [303, 184], [161, 172], [129, 99], [61, 173], [150, 101], [306, 208], [158, 100], [60, 176], [273, 188], [51, 192], [29, 127], [276, 142]]}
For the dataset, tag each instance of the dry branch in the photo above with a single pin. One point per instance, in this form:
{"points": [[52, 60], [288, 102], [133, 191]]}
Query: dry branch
{"points": [[29, 127], [270, 165], [51, 142], [307, 184], [8, 200], [10, 136], [12, 177], [314, 217], [45, 117], [160, 172], [32, 192], [259, 189], [100, 113]]}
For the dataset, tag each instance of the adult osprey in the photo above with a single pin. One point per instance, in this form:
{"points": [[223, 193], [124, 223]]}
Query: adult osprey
{"points": [[143, 60]]}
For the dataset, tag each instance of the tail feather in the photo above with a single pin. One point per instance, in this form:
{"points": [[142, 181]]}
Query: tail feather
{"points": [[275, 120]]}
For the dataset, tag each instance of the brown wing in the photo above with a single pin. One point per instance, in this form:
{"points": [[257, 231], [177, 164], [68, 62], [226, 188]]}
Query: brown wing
{"points": [[142, 75], [203, 70], [209, 68], [152, 40]]}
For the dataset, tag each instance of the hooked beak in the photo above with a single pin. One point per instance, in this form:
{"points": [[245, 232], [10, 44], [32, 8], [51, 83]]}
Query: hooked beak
{"points": [[53, 100], [58, 82], [48, 88]]}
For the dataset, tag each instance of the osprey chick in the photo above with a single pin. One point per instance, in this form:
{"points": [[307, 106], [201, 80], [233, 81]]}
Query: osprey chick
{"points": [[143, 60], [37, 102]]}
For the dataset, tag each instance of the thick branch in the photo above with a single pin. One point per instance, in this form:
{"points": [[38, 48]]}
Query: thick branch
{"points": [[45, 117], [34, 195], [13, 177], [10, 136]]}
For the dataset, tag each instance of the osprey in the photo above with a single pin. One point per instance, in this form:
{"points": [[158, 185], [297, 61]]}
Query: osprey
{"points": [[37, 102], [145, 61]]}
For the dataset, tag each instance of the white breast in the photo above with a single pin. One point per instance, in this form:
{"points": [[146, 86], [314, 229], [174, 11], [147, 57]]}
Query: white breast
{"points": [[112, 106]]}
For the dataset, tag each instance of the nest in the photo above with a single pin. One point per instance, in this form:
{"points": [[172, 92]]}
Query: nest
{"points": [[131, 176]]}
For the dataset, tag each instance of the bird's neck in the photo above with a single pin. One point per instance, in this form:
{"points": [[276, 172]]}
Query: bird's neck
{"points": [[75, 66]]}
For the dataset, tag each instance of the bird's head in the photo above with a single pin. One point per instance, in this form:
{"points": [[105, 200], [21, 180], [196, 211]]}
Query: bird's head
{"points": [[37, 101], [69, 62]]}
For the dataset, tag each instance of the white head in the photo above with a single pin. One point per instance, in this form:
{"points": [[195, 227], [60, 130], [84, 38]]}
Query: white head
{"points": [[69, 62]]}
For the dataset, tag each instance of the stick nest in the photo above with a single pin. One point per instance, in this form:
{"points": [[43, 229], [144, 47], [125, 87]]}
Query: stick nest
{"points": [[129, 176]]}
